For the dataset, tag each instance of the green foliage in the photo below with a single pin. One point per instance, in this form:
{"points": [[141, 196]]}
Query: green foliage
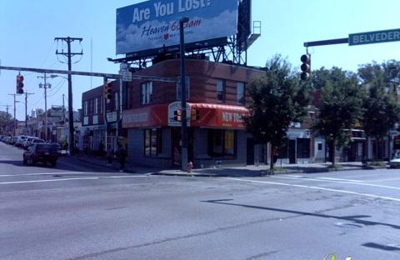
{"points": [[5, 119], [277, 100], [340, 106], [381, 106]]}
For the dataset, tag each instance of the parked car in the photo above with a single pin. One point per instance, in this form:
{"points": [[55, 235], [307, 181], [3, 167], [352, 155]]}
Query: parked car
{"points": [[395, 162], [20, 140], [30, 140], [41, 152]]}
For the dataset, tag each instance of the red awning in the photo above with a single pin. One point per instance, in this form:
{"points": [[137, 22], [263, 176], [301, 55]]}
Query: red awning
{"points": [[209, 115], [219, 115], [149, 116]]}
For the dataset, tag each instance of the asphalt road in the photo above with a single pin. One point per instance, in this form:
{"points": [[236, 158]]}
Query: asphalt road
{"points": [[73, 212]]}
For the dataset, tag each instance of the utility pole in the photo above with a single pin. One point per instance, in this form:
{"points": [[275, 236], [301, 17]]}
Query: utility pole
{"points": [[63, 110], [26, 108], [69, 55], [7, 106], [15, 113], [45, 86]]}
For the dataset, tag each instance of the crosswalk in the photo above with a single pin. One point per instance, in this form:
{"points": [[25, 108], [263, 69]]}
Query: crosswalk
{"points": [[363, 188], [46, 177]]}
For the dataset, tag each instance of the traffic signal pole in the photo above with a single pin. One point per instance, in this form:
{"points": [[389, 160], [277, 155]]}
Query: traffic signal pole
{"points": [[184, 152]]}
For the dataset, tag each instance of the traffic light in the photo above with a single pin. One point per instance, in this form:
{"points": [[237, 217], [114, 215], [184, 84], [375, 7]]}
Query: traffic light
{"points": [[107, 90], [194, 114], [178, 115], [20, 84], [305, 67]]}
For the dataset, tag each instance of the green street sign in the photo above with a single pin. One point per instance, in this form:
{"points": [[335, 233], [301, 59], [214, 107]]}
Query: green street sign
{"points": [[374, 37]]}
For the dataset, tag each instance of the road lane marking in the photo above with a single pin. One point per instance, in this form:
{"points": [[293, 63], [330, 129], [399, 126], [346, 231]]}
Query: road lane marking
{"points": [[70, 179], [341, 181], [40, 173], [51, 180], [124, 176], [320, 188], [338, 179]]}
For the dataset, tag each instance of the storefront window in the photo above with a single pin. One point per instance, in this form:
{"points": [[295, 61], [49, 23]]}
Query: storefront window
{"points": [[221, 142], [152, 142]]}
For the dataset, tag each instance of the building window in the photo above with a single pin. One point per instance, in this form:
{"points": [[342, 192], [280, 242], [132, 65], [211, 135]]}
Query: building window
{"points": [[91, 107], [116, 101], [152, 142], [85, 108], [147, 91], [128, 100], [221, 143], [96, 106], [221, 91], [240, 94]]}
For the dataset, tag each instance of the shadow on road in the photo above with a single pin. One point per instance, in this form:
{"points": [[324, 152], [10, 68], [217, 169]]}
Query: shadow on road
{"points": [[356, 219]]}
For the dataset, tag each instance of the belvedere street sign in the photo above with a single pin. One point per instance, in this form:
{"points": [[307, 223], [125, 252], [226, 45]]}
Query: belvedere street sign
{"points": [[374, 37]]}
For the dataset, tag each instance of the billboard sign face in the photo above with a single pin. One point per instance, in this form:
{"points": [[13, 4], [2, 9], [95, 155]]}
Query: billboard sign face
{"points": [[154, 24]]}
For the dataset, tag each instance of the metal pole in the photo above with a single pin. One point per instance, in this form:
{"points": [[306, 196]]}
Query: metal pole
{"points": [[183, 95], [15, 114], [26, 111], [45, 107], [70, 108]]}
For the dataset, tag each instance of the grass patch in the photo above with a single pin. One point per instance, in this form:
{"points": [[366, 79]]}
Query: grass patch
{"points": [[335, 166], [377, 163]]}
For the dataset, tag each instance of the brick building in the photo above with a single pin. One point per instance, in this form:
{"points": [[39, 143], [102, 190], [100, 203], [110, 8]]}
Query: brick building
{"points": [[216, 91]]}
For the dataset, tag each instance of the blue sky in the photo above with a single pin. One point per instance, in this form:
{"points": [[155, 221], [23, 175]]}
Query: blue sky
{"points": [[28, 29]]}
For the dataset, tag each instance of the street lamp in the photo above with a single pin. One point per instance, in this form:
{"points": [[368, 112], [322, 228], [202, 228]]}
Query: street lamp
{"points": [[184, 163]]}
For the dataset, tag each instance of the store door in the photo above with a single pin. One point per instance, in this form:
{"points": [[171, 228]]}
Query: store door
{"points": [[177, 146]]}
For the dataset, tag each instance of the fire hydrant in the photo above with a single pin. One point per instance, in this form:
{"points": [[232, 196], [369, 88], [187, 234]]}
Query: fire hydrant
{"points": [[189, 167]]}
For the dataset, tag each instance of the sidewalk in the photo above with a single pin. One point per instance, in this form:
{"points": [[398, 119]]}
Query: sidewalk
{"points": [[99, 161], [224, 171], [262, 170]]}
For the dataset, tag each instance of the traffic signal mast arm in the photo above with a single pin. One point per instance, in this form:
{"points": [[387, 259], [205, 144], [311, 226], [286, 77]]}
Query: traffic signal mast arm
{"points": [[327, 42], [91, 74]]}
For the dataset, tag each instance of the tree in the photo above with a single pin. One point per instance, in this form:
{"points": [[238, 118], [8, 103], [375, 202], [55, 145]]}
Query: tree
{"points": [[339, 108], [277, 100], [5, 119], [319, 78], [381, 106]]}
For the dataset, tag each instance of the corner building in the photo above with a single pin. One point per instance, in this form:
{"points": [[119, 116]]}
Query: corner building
{"points": [[216, 100]]}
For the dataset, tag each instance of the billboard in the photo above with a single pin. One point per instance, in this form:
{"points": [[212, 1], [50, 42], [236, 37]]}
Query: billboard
{"points": [[151, 26]]}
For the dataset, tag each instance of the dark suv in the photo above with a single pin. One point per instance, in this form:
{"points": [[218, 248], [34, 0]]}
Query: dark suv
{"points": [[41, 152]]}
